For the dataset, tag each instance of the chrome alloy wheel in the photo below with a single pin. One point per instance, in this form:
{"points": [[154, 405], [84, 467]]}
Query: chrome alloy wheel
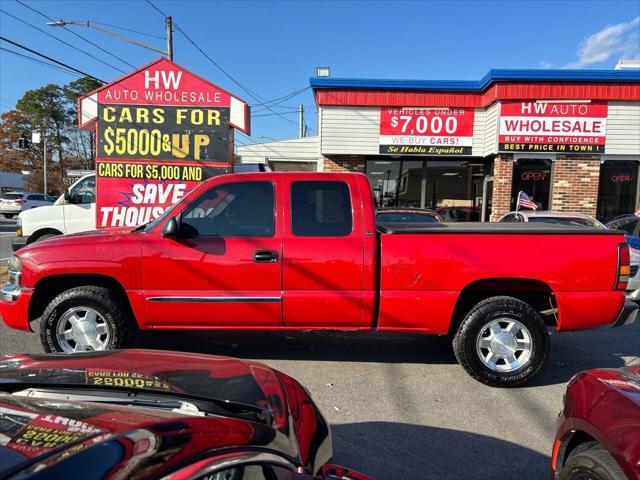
{"points": [[82, 329], [504, 345]]}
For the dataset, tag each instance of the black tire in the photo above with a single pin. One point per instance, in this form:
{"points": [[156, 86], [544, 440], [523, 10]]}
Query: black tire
{"points": [[8, 215], [464, 341], [46, 235], [591, 462], [121, 326]]}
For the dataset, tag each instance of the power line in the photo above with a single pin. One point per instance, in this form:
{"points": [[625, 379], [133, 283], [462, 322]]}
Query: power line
{"points": [[272, 114], [130, 30], [76, 34], [245, 89], [281, 99], [49, 58], [60, 40], [61, 69]]}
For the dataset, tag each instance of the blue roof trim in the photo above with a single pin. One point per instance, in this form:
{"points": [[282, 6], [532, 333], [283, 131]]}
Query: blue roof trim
{"points": [[493, 76]]}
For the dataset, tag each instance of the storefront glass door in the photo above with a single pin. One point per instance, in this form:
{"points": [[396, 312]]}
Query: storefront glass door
{"points": [[618, 189], [533, 177]]}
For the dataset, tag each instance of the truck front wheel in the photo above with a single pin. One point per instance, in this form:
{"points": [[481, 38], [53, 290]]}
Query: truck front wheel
{"points": [[502, 342], [86, 319]]}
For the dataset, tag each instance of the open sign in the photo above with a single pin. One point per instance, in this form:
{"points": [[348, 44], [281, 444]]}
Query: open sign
{"points": [[533, 176], [621, 178]]}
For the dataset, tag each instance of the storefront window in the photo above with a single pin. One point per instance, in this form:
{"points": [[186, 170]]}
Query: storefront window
{"points": [[451, 187], [410, 185], [383, 176], [618, 188], [533, 177]]}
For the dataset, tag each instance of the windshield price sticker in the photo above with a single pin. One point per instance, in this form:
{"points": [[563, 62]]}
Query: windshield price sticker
{"points": [[426, 131], [553, 127], [46, 432], [112, 378]]}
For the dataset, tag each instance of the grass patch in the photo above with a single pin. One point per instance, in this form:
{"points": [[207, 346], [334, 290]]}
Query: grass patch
{"points": [[4, 275]]}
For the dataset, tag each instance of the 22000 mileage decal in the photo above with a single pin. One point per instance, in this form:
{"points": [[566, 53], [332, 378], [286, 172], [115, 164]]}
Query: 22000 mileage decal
{"points": [[112, 378]]}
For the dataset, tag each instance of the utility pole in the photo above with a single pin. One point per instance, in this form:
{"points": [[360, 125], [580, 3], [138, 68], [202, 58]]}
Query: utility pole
{"points": [[44, 178], [301, 121], [169, 24]]}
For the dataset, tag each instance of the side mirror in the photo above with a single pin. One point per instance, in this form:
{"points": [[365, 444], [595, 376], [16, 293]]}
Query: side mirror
{"points": [[170, 228], [67, 195]]}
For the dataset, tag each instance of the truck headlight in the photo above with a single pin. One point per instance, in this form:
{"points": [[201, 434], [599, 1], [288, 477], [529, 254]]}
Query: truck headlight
{"points": [[15, 271], [15, 264]]}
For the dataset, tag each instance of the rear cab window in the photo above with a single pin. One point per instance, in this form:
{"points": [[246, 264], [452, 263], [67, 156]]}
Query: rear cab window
{"points": [[321, 209]]}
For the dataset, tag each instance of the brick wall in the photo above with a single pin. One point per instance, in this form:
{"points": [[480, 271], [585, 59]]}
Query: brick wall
{"points": [[502, 177], [339, 164], [575, 184]]}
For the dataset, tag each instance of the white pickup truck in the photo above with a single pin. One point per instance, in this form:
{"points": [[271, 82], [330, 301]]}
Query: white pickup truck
{"points": [[72, 212]]}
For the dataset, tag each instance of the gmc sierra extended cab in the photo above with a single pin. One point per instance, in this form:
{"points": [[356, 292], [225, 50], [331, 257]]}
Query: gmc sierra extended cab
{"points": [[277, 251]]}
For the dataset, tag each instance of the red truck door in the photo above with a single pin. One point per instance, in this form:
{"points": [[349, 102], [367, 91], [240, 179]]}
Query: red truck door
{"points": [[323, 261], [224, 269]]}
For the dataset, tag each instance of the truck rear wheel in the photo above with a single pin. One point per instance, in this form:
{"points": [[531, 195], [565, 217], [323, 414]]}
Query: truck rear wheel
{"points": [[86, 319], [502, 342]]}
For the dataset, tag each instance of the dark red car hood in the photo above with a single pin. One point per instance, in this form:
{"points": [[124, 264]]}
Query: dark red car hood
{"points": [[284, 418], [625, 381]]}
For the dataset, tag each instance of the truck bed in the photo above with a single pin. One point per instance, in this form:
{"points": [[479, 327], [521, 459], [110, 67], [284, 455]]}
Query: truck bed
{"points": [[425, 268], [491, 228]]}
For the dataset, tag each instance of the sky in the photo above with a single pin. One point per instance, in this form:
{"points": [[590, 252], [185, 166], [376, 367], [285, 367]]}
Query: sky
{"points": [[269, 49]]}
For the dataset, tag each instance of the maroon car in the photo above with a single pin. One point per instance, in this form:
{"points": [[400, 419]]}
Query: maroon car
{"points": [[151, 414], [598, 435]]}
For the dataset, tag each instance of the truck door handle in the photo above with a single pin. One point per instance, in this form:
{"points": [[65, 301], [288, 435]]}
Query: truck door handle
{"points": [[265, 256]]}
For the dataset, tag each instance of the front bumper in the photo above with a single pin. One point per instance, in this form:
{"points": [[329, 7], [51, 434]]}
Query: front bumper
{"points": [[627, 315], [14, 306], [18, 242]]}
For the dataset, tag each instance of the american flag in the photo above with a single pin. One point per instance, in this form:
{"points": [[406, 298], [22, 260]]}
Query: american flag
{"points": [[525, 202]]}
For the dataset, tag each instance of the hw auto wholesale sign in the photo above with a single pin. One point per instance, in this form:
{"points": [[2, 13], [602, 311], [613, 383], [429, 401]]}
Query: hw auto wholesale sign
{"points": [[553, 127], [426, 131], [160, 131]]}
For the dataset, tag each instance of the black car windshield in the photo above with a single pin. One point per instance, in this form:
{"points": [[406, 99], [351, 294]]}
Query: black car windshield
{"points": [[570, 221], [406, 217]]}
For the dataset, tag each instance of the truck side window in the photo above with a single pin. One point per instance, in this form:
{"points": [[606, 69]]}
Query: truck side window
{"points": [[320, 209], [240, 209], [86, 189]]}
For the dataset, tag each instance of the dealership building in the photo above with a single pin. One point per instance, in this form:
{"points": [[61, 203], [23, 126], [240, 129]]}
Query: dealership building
{"points": [[568, 139]]}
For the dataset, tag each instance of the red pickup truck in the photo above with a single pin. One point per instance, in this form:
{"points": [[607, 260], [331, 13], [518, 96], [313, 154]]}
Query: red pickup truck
{"points": [[278, 251]]}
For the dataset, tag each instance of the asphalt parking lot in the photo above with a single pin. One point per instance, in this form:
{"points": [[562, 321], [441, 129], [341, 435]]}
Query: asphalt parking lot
{"points": [[400, 407], [7, 232]]}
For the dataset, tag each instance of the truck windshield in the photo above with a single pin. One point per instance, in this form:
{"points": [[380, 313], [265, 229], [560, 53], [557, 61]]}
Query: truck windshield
{"points": [[147, 227]]}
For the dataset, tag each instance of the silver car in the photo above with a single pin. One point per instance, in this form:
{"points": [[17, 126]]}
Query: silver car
{"points": [[546, 216], [12, 203]]}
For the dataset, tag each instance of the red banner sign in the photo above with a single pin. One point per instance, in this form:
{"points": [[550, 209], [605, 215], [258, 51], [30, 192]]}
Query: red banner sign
{"points": [[426, 131], [553, 127], [159, 132]]}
